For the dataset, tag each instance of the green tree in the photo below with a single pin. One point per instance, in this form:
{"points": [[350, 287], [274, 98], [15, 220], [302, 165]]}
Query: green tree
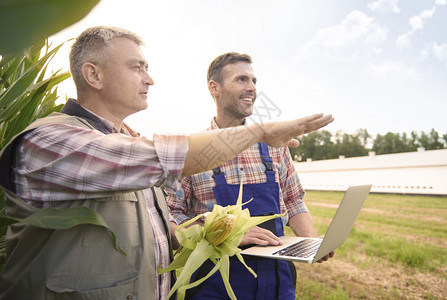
{"points": [[364, 137], [394, 143], [316, 145], [350, 145], [430, 141], [323, 145]]}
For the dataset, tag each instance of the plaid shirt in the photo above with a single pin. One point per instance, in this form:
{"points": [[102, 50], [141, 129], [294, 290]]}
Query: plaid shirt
{"points": [[196, 196], [61, 162]]}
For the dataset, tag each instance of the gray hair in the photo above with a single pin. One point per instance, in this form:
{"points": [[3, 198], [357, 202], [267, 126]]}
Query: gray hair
{"points": [[93, 45]]}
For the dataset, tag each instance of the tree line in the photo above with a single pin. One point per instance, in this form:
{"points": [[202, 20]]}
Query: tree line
{"points": [[323, 144]]}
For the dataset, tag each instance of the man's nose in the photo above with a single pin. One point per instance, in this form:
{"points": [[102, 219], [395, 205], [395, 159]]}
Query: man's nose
{"points": [[251, 86], [148, 79]]}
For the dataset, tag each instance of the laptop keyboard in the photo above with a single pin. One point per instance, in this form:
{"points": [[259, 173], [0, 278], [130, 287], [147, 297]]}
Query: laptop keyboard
{"points": [[303, 248]]}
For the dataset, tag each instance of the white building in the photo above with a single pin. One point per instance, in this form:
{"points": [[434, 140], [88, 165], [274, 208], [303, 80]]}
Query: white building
{"points": [[421, 172]]}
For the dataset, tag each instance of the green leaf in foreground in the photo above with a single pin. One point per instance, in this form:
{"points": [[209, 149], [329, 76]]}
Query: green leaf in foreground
{"points": [[24, 22], [53, 218]]}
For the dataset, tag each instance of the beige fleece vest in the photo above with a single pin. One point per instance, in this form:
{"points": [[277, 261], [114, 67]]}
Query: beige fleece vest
{"points": [[81, 262]]}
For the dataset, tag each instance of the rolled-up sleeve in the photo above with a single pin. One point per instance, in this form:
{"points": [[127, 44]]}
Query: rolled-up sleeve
{"points": [[62, 162], [171, 152]]}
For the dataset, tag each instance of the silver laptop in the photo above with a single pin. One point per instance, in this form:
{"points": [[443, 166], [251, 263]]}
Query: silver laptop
{"points": [[311, 250]]}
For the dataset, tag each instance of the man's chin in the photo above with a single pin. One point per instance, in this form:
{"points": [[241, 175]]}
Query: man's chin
{"points": [[248, 113], [144, 105], [140, 107]]}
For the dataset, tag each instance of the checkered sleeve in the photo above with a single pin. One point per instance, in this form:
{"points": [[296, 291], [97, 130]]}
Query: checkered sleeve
{"points": [[177, 200], [293, 192], [61, 162]]}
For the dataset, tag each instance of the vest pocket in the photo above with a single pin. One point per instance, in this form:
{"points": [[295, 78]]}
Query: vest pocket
{"points": [[121, 215], [126, 232], [128, 289]]}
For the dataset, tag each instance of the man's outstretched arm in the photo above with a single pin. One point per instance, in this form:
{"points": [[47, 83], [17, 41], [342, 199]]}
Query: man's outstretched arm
{"points": [[209, 149]]}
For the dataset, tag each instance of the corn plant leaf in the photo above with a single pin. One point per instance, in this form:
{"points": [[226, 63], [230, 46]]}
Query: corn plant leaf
{"points": [[188, 238], [25, 95], [52, 218], [195, 247], [11, 69], [25, 109], [47, 105], [225, 273], [179, 262], [241, 259], [229, 248], [200, 254], [19, 87], [182, 290], [25, 22], [50, 82], [187, 223]]}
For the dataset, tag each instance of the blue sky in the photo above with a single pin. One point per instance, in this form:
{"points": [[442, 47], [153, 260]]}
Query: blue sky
{"points": [[380, 65]]}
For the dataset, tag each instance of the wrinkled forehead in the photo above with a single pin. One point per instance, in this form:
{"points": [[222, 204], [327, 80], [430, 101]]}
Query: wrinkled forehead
{"points": [[127, 50]]}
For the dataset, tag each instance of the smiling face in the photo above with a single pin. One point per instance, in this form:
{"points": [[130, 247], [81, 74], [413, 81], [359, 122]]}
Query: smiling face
{"points": [[125, 79], [236, 95]]}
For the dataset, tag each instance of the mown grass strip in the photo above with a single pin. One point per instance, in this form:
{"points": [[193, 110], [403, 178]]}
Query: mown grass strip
{"points": [[407, 224], [309, 289], [386, 237]]}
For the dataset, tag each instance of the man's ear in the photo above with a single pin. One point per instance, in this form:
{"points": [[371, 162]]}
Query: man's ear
{"points": [[92, 75], [214, 88]]}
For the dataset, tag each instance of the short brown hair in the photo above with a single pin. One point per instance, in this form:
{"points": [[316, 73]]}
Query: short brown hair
{"points": [[215, 68]]}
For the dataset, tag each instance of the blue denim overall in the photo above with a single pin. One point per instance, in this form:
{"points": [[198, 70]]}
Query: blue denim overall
{"points": [[275, 280]]}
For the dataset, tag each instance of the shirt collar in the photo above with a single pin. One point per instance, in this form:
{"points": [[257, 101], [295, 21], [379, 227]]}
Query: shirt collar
{"points": [[72, 108], [215, 126]]}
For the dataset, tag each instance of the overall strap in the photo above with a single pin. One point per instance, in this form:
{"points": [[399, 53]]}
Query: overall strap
{"points": [[267, 161], [219, 176]]}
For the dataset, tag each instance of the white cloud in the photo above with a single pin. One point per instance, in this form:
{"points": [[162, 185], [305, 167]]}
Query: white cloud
{"points": [[403, 40], [416, 23], [395, 70], [385, 6], [343, 41], [440, 52], [437, 51], [440, 2]]}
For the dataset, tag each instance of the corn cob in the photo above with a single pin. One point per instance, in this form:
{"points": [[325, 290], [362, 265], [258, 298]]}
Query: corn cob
{"points": [[217, 240], [225, 225]]}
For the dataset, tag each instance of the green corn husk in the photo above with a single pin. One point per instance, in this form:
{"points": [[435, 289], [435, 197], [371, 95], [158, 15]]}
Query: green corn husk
{"points": [[195, 247]]}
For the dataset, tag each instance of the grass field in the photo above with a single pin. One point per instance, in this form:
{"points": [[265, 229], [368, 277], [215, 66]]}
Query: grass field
{"points": [[396, 250]]}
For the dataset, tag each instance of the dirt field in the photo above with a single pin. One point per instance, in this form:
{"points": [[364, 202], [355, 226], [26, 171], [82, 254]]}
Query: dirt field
{"points": [[373, 281]]}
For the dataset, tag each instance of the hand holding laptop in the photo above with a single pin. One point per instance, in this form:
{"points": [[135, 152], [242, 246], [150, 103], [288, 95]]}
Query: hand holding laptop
{"points": [[326, 257], [311, 250], [260, 236]]}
